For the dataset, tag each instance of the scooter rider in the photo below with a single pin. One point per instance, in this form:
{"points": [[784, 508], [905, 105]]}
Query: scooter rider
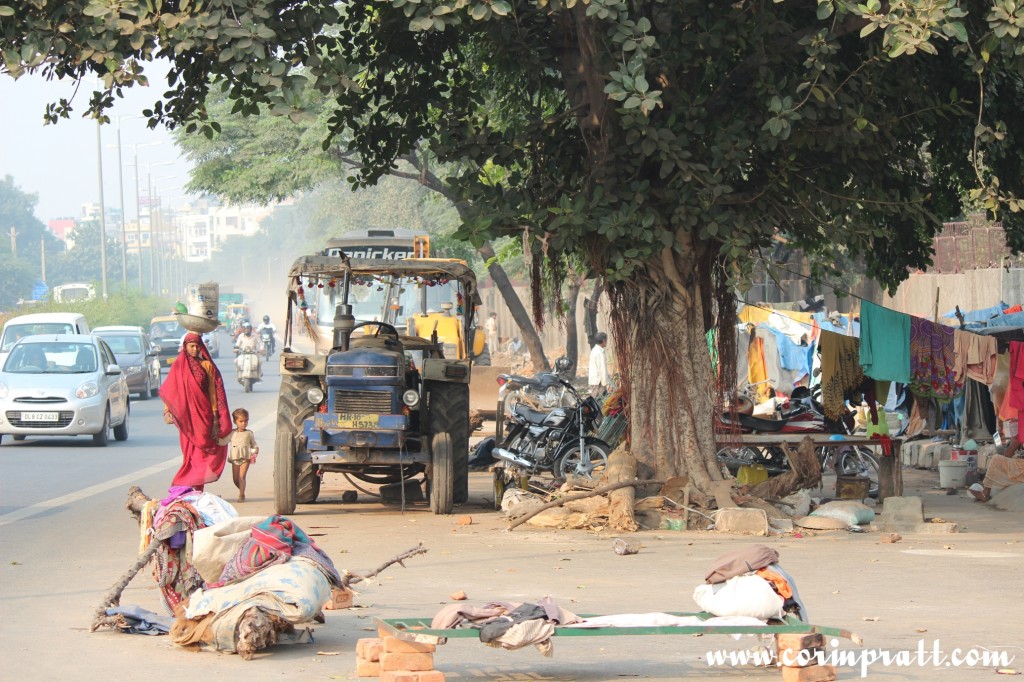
{"points": [[247, 342], [267, 324]]}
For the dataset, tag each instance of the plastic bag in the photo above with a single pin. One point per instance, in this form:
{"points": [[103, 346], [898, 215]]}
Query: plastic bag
{"points": [[744, 595], [850, 512]]}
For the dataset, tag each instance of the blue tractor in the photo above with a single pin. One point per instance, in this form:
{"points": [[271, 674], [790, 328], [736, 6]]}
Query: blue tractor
{"points": [[362, 397]]}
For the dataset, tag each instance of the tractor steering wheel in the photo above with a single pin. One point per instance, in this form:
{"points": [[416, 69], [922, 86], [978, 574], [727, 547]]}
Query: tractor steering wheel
{"points": [[381, 326]]}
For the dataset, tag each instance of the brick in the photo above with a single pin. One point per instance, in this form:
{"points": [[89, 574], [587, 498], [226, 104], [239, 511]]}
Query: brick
{"points": [[787, 640], [365, 668], [800, 658], [406, 661], [370, 648], [812, 673], [394, 645], [464, 520], [340, 599], [890, 538], [458, 596], [412, 676]]}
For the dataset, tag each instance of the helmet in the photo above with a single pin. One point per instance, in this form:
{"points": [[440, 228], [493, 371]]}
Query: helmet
{"points": [[247, 325], [562, 364], [266, 319]]}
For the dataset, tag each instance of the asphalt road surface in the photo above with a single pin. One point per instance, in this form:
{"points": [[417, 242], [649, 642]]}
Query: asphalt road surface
{"points": [[65, 538]]}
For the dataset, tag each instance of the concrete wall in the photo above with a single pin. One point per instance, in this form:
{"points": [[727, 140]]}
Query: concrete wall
{"points": [[969, 290]]}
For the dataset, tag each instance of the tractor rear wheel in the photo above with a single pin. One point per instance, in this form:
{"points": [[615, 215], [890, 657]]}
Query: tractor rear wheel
{"points": [[299, 482]]}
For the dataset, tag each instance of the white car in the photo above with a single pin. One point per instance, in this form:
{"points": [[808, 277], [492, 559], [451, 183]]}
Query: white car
{"points": [[63, 385]]}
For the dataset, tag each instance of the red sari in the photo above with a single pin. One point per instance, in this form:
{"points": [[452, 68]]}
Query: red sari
{"points": [[191, 401]]}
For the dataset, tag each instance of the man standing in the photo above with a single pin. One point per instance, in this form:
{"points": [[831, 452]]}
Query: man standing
{"points": [[491, 327], [598, 365]]}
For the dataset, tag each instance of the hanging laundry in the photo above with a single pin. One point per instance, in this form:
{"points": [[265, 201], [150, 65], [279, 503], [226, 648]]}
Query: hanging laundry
{"points": [[794, 330], [975, 356], [884, 343], [1015, 386], [782, 378], [792, 356], [840, 371], [756, 369], [932, 360]]}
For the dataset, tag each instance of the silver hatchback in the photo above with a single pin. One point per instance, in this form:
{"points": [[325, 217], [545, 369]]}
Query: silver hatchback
{"points": [[65, 385]]}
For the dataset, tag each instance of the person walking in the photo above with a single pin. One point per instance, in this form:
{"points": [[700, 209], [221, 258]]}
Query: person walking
{"points": [[195, 402], [491, 327], [242, 449], [598, 364]]}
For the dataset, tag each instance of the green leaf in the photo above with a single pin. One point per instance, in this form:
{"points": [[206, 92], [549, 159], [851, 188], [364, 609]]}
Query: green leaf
{"points": [[6, 11], [632, 102], [868, 29], [501, 8], [421, 24], [824, 9]]}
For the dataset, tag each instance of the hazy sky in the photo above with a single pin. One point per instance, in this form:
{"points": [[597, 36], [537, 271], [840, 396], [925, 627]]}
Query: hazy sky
{"points": [[58, 162]]}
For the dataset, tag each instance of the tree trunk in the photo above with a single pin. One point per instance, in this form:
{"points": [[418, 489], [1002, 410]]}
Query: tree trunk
{"points": [[670, 387], [590, 312], [515, 306], [572, 343]]}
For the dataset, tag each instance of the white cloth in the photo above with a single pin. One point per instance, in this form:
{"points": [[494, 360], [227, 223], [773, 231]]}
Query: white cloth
{"points": [[598, 367], [790, 327], [250, 342], [647, 620], [213, 546], [213, 510]]}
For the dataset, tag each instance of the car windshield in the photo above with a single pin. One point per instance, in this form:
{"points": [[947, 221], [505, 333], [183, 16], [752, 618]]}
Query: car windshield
{"points": [[13, 332], [163, 330], [369, 296], [124, 345], [51, 358]]}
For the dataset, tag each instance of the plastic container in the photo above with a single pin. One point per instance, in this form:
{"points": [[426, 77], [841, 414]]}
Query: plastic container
{"points": [[751, 474], [952, 474], [969, 456]]}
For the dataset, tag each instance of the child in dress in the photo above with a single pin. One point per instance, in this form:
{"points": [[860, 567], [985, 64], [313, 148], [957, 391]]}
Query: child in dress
{"points": [[242, 451]]}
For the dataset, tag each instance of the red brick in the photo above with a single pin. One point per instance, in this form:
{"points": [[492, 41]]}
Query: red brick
{"points": [[464, 520], [365, 668], [340, 599], [406, 661], [370, 648], [394, 645], [797, 642], [812, 673]]}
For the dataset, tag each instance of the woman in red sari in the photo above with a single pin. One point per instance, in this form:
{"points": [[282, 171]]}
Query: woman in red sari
{"points": [[195, 402]]}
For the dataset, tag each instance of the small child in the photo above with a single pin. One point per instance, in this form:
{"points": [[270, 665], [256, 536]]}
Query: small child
{"points": [[242, 451]]}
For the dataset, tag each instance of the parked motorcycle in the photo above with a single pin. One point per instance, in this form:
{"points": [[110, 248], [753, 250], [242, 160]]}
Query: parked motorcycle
{"points": [[267, 339], [804, 416], [555, 442], [543, 392], [248, 368]]}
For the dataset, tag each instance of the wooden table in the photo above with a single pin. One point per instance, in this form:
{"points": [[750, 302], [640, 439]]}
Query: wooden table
{"points": [[890, 475]]}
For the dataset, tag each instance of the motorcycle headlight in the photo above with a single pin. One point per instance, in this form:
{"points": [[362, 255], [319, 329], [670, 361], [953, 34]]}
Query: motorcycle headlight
{"points": [[598, 418], [315, 395], [87, 390], [4, 391], [411, 398]]}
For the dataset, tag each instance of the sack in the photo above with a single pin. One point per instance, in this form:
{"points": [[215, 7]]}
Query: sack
{"points": [[744, 595], [213, 546], [850, 512], [741, 561]]}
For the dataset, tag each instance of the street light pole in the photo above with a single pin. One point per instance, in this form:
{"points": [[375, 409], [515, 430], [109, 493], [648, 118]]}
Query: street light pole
{"points": [[124, 233], [103, 217], [138, 214]]}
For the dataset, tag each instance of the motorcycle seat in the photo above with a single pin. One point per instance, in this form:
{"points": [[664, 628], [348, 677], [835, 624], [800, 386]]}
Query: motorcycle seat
{"points": [[748, 423], [528, 414]]}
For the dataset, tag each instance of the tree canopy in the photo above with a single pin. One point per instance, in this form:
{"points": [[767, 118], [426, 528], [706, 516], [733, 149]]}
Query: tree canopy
{"points": [[662, 143]]}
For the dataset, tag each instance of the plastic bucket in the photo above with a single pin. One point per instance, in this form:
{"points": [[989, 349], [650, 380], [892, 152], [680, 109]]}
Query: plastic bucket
{"points": [[202, 300], [952, 474]]}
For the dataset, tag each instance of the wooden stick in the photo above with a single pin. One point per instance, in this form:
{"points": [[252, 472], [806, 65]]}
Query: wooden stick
{"points": [[113, 597], [579, 496], [353, 578]]}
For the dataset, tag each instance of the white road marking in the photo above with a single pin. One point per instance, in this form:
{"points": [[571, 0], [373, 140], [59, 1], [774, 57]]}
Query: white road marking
{"points": [[78, 495]]}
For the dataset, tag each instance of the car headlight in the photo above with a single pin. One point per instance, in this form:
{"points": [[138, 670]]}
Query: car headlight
{"points": [[87, 390], [411, 398], [4, 390], [315, 396], [134, 369]]}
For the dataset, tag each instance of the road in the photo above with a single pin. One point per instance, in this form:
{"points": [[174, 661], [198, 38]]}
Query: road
{"points": [[65, 538]]}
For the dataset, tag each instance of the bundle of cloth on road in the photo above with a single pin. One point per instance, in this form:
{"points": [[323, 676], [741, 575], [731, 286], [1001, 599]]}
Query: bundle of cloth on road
{"points": [[234, 584]]}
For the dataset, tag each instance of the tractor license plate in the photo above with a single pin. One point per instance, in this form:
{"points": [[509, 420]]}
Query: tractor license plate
{"points": [[39, 416], [358, 421]]}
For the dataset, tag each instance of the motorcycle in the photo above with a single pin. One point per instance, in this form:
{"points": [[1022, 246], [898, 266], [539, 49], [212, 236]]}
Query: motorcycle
{"points": [[543, 392], [248, 368], [267, 339], [805, 415], [555, 442]]}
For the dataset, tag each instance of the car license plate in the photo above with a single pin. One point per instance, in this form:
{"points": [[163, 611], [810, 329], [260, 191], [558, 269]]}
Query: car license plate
{"points": [[39, 416], [358, 421]]}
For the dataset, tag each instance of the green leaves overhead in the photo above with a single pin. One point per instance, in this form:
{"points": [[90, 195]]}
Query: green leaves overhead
{"points": [[604, 130]]}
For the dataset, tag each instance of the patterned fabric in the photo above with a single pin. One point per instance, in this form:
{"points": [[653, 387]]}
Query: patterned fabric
{"points": [[932, 360], [175, 575], [193, 401], [274, 541], [840, 371]]}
